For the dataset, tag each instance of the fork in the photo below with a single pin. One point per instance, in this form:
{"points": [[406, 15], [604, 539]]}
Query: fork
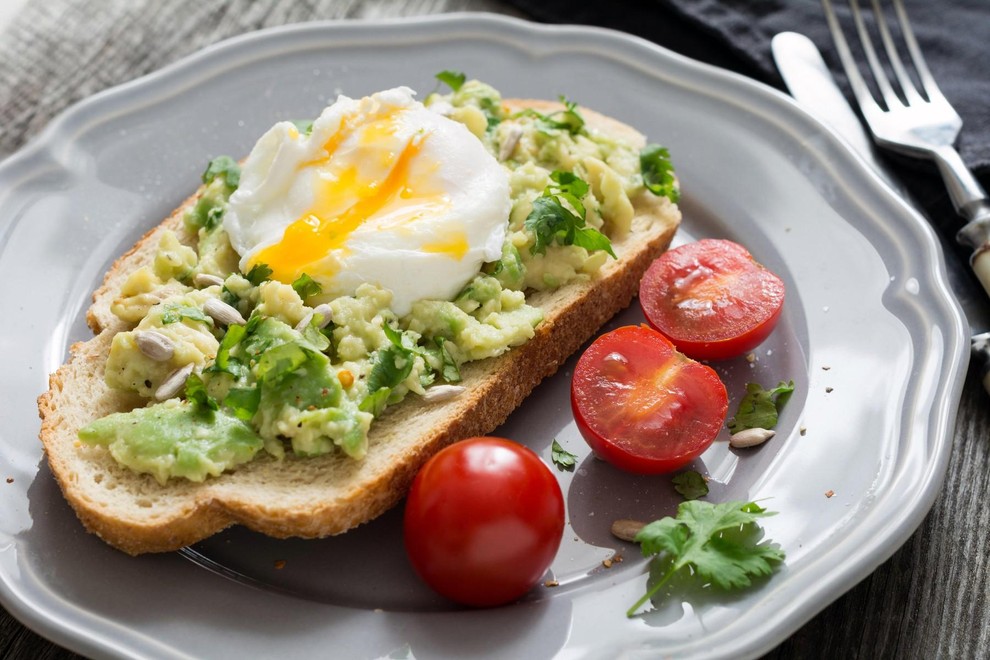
{"points": [[915, 124]]}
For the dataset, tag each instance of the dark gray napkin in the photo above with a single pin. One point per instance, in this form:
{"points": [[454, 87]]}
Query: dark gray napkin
{"points": [[735, 34]]}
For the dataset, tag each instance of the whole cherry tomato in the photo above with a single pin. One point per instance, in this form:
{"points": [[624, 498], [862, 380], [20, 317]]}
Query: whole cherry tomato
{"points": [[641, 405], [483, 521], [711, 299]]}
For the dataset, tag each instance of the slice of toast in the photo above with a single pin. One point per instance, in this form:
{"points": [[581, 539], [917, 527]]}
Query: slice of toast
{"points": [[326, 495]]}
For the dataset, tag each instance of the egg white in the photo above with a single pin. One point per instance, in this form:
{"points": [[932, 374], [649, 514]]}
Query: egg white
{"points": [[382, 191]]}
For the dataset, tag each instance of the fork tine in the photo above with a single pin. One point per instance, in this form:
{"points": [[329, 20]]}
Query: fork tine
{"points": [[924, 75], [867, 104], [879, 75], [907, 85]]}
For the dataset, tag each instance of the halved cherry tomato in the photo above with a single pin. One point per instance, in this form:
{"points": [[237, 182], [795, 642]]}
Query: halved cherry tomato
{"points": [[711, 299], [483, 521], [641, 405]]}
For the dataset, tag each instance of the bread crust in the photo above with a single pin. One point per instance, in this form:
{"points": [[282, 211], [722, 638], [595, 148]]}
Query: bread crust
{"points": [[326, 495]]}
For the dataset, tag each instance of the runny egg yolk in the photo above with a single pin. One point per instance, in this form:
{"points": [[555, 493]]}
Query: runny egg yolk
{"points": [[347, 195], [382, 191]]}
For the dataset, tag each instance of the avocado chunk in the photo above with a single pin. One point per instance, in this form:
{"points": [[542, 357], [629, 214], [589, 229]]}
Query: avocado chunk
{"points": [[174, 439]]}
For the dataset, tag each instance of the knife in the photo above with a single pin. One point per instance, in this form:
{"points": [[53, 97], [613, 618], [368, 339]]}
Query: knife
{"points": [[811, 84]]}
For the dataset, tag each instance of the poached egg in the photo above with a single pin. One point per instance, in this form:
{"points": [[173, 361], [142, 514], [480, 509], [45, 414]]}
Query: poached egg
{"points": [[382, 190]]}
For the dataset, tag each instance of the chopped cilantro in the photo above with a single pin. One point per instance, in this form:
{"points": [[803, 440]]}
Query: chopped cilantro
{"points": [[196, 393], [258, 274], [453, 79], [691, 485], [226, 167], [223, 362], [213, 217], [717, 543], [568, 119], [449, 369], [389, 367], [306, 286], [207, 213], [658, 172], [375, 402], [228, 296], [563, 459], [759, 408], [551, 221], [173, 313], [243, 402], [279, 361]]}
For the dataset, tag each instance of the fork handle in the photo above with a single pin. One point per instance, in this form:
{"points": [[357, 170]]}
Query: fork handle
{"points": [[967, 195], [971, 202]]}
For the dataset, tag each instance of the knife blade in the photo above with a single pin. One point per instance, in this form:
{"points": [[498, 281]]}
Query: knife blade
{"points": [[811, 84]]}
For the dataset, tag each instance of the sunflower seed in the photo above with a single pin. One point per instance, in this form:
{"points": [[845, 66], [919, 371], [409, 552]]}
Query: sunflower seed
{"points": [[442, 393], [324, 312], [222, 313], [627, 529], [154, 345], [512, 135], [203, 280], [750, 437], [173, 383]]}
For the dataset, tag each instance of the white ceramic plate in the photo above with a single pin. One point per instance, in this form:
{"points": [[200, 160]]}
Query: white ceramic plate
{"points": [[870, 335]]}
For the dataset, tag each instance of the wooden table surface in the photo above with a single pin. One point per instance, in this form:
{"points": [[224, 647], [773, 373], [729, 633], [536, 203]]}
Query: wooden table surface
{"points": [[929, 600]]}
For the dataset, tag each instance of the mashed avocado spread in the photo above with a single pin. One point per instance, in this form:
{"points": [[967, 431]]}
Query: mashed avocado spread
{"points": [[234, 363]]}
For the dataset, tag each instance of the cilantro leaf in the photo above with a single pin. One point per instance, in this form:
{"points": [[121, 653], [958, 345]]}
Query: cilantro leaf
{"points": [[389, 367], [226, 167], [224, 363], [658, 172], [207, 213], [691, 485], [258, 274], [563, 459], [591, 240], [719, 543], [453, 79], [243, 402], [759, 408], [173, 313], [547, 218], [375, 402], [306, 286], [571, 188], [197, 394], [568, 119], [213, 217], [449, 369], [280, 361], [551, 221]]}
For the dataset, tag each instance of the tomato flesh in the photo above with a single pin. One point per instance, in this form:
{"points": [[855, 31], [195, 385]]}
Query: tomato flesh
{"points": [[641, 405], [483, 521], [711, 299]]}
